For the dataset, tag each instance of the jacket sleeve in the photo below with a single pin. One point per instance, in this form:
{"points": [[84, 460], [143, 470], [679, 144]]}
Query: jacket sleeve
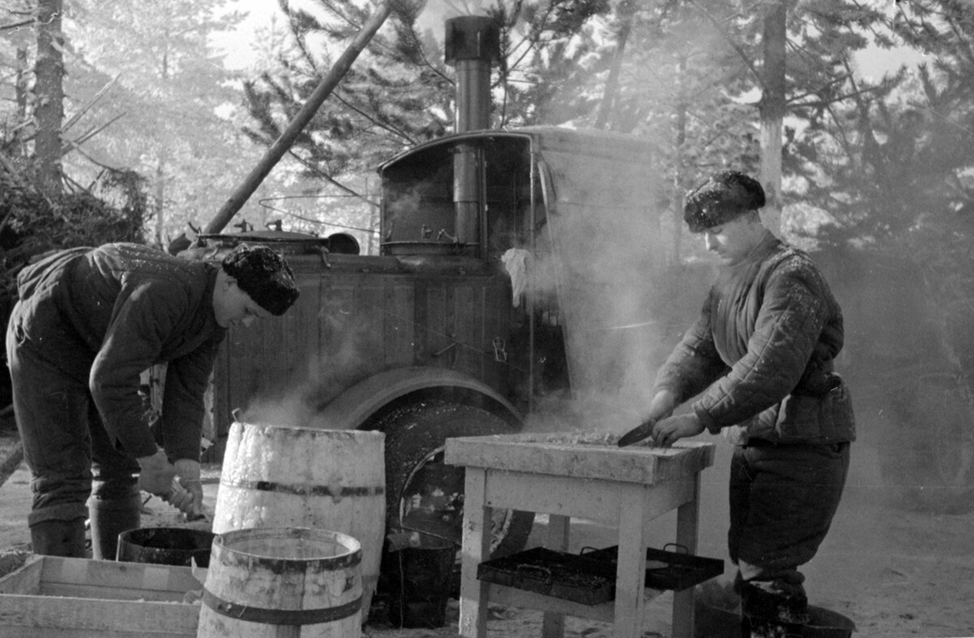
{"points": [[787, 328], [141, 320], [695, 363], [182, 404]]}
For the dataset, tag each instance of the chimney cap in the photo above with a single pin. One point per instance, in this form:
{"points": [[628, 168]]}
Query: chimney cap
{"points": [[472, 38]]}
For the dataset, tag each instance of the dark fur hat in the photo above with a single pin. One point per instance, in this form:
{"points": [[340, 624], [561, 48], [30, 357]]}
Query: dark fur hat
{"points": [[264, 275], [723, 197]]}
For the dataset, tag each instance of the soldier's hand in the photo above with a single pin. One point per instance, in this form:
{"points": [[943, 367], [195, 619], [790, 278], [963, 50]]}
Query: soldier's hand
{"points": [[189, 498], [157, 474], [669, 431]]}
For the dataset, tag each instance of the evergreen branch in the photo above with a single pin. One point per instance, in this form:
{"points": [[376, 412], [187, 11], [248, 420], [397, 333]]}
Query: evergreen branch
{"points": [[98, 96], [734, 45], [331, 180], [840, 98], [376, 121]]}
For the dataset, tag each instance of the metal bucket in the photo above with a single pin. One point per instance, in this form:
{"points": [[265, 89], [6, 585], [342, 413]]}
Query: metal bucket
{"points": [[423, 575], [272, 582], [281, 476], [165, 546]]}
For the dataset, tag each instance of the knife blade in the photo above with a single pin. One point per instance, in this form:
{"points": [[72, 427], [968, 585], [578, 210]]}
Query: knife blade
{"points": [[638, 433]]}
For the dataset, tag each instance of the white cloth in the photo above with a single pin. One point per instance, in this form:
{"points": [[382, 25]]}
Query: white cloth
{"points": [[515, 262]]}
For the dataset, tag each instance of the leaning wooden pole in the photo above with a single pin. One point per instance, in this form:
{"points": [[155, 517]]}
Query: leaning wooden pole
{"points": [[284, 142]]}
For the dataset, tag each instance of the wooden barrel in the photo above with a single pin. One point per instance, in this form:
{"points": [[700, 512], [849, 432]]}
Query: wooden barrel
{"points": [[283, 583], [282, 476]]}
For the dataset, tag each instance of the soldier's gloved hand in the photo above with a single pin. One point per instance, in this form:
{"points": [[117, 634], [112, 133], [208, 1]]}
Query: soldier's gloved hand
{"points": [[189, 500], [157, 474]]}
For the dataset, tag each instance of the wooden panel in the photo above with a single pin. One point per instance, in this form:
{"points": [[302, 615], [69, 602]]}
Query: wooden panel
{"points": [[534, 454], [52, 597], [469, 329], [26, 580], [398, 324], [598, 500]]}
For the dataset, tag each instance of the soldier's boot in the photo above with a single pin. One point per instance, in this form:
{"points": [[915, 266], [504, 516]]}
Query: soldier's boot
{"points": [[109, 518], [773, 609]]}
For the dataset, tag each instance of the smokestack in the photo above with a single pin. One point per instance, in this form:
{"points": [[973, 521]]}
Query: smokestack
{"points": [[472, 43]]}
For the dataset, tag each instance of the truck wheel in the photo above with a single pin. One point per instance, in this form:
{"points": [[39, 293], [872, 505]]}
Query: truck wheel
{"points": [[423, 493], [928, 462]]}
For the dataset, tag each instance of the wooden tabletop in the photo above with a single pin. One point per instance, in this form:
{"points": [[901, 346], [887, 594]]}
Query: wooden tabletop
{"points": [[590, 456]]}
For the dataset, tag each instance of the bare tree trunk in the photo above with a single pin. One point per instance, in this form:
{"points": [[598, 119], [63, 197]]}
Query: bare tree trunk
{"points": [[612, 83], [773, 104], [21, 85], [679, 176], [49, 96]]}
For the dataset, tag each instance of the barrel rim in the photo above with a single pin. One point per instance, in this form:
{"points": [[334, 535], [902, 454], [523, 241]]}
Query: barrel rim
{"points": [[352, 545], [349, 433]]}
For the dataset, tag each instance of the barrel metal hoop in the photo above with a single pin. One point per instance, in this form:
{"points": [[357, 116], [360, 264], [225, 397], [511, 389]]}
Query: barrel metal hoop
{"points": [[280, 616], [307, 490]]}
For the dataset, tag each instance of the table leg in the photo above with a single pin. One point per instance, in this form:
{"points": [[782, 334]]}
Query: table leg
{"points": [[687, 523], [476, 549], [631, 566], [553, 625]]}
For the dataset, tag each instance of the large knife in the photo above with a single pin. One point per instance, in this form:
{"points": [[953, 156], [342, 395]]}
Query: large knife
{"points": [[638, 433]]}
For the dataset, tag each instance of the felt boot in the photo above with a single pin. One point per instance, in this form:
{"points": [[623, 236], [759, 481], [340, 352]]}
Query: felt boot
{"points": [[109, 518], [773, 609], [55, 537]]}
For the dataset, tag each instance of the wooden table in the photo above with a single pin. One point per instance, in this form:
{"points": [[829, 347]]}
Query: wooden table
{"points": [[566, 477]]}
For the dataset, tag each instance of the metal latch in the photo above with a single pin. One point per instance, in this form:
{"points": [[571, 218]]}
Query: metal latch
{"points": [[500, 350]]}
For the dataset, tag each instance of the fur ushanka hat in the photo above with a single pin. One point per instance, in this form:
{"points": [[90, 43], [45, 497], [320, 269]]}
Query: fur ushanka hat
{"points": [[264, 275], [723, 197]]}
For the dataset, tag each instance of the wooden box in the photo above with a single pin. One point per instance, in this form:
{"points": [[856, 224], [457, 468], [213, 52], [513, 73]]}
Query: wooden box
{"points": [[51, 597]]}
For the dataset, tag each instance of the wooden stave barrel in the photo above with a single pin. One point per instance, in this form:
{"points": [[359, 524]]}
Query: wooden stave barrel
{"points": [[280, 476], [255, 589]]}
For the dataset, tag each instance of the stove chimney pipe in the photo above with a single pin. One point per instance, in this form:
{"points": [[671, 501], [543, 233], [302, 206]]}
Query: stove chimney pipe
{"points": [[472, 43]]}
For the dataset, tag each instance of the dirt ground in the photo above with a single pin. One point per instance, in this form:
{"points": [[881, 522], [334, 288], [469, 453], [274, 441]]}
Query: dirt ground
{"points": [[893, 572]]}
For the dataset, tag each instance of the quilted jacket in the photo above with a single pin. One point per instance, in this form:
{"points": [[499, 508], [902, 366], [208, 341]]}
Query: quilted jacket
{"points": [[761, 353], [108, 313]]}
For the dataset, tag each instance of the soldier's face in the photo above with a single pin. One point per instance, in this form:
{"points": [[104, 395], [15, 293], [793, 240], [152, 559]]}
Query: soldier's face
{"points": [[734, 240], [233, 307]]}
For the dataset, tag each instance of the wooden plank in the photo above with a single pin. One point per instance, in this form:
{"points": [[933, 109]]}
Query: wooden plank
{"points": [[476, 549], [530, 453], [687, 525], [631, 562], [79, 598], [398, 324], [25, 580], [54, 617], [597, 500], [559, 533]]}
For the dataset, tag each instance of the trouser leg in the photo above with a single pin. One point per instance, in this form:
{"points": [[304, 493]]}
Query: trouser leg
{"points": [[115, 505], [782, 499], [51, 406], [56, 537]]}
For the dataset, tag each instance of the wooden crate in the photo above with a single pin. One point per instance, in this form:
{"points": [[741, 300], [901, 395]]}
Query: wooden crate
{"points": [[51, 597]]}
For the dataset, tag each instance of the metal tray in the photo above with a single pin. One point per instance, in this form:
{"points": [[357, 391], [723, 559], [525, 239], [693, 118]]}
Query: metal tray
{"points": [[557, 574], [674, 570]]}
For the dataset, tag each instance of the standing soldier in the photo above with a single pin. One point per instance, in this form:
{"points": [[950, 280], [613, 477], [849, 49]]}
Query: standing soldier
{"points": [[761, 357]]}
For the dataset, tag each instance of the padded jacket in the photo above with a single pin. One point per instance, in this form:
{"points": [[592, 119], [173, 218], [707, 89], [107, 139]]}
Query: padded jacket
{"points": [[762, 353], [106, 314]]}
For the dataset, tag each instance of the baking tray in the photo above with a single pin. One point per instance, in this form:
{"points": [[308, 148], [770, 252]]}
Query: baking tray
{"points": [[562, 575], [676, 570]]}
